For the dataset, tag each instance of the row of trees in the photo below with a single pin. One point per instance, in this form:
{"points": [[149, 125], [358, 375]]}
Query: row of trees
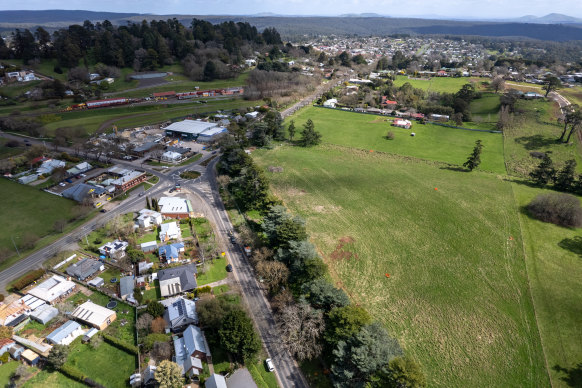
{"points": [[315, 319], [145, 46]]}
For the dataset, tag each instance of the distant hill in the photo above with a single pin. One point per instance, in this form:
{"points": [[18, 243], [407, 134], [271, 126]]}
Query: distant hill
{"points": [[553, 27], [58, 15]]}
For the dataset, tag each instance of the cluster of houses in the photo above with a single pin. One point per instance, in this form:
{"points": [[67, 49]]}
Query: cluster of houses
{"points": [[46, 166], [39, 304]]}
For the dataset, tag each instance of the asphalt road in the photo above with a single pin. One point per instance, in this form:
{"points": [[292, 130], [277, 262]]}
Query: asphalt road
{"points": [[204, 191]]}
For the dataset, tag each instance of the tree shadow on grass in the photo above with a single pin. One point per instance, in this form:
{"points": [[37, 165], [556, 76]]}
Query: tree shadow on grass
{"points": [[535, 142], [454, 168], [573, 376], [573, 245]]}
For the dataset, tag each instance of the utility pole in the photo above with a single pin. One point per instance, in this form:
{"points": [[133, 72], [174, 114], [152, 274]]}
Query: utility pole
{"points": [[15, 247]]}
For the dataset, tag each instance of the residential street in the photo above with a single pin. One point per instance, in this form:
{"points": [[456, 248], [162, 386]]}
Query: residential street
{"points": [[203, 192]]}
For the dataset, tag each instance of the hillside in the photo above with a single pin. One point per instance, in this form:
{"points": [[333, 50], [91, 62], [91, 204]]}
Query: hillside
{"points": [[535, 28]]}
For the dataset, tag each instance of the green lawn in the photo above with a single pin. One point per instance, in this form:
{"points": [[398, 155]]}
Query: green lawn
{"points": [[154, 292], [554, 262], [148, 236], [21, 207], [52, 380], [216, 271], [437, 84], [6, 371], [486, 108], [457, 297], [106, 365], [367, 132], [185, 228]]}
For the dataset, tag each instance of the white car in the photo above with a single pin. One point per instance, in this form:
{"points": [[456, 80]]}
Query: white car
{"points": [[270, 365], [62, 184]]}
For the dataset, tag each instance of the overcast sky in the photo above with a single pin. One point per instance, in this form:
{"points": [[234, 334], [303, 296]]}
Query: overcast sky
{"points": [[447, 8]]}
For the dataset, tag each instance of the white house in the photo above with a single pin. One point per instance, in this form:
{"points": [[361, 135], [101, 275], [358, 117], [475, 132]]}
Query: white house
{"points": [[331, 103], [148, 218], [65, 334], [48, 166], [114, 249], [171, 156], [402, 123], [170, 231]]}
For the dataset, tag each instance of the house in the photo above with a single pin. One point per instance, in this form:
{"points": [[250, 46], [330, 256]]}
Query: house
{"points": [[85, 268], [65, 334], [5, 345], [88, 335], [177, 280], [44, 313], [190, 350], [149, 246], [81, 191], [175, 207], [126, 286], [144, 266], [170, 231], [30, 357], [388, 103], [171, 252], [53, 289], [215, 381], [148, 218], [96, 282], [94, 315], [129, 180], [180, 312], [149, 374], [331, 103], [170, 156], [251, 115], [401, 123], [48, 166], [114, 249], [79, 168]]}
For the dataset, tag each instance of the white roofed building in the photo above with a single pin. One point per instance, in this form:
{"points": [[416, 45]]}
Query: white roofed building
{"points": [[148, 218], [53, 289], [94, 315], [175, 207], [188, 129], [170, 231]]}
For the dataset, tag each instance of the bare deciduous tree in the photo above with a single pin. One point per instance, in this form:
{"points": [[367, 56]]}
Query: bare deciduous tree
{"points": [[274, 273], [300, 327]]}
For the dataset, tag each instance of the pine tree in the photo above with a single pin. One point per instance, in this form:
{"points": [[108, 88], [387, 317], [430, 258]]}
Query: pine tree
{"points": [[475, 158], [565, 179], [148, 205], [545, 172], [309, 136]]}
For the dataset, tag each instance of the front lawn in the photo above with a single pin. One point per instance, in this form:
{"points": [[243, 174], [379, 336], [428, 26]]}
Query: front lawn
{"points": [[52, 380], [215, 271]]}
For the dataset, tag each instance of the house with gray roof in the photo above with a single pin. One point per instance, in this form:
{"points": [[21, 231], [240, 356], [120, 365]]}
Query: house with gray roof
{"points": [[85, 268], [179, 313], [44, 313], [177, 280], [215, 381], [126, 286], [190, 350], [65, 334]]}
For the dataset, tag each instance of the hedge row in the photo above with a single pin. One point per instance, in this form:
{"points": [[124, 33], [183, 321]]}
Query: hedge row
{"points": [[77, 375], [24, 281], [120, 344]]}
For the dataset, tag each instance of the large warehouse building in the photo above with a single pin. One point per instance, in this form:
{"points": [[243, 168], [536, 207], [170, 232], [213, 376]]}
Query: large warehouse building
{"points": [[193, 129]]}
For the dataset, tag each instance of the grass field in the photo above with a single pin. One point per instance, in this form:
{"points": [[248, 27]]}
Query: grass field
{"points": [[537, 131], [431, 142], [554, 260], [106, 365], [438, 84], [21, 209], [457, 297]]}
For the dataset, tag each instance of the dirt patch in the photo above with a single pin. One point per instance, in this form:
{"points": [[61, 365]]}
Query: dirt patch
{"points": [[342, 249]]}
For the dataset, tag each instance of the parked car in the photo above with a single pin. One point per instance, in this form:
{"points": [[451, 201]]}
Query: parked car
{"points": [[62, 184], [229, 268], [141, 194], [270, 365]]}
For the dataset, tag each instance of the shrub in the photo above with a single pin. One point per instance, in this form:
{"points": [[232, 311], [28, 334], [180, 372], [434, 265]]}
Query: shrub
{"points": [[1, 297], [73, 373], [390, 135], [120, 344], [203, 290], [557, 208], [5, 357], [25, 280]]}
